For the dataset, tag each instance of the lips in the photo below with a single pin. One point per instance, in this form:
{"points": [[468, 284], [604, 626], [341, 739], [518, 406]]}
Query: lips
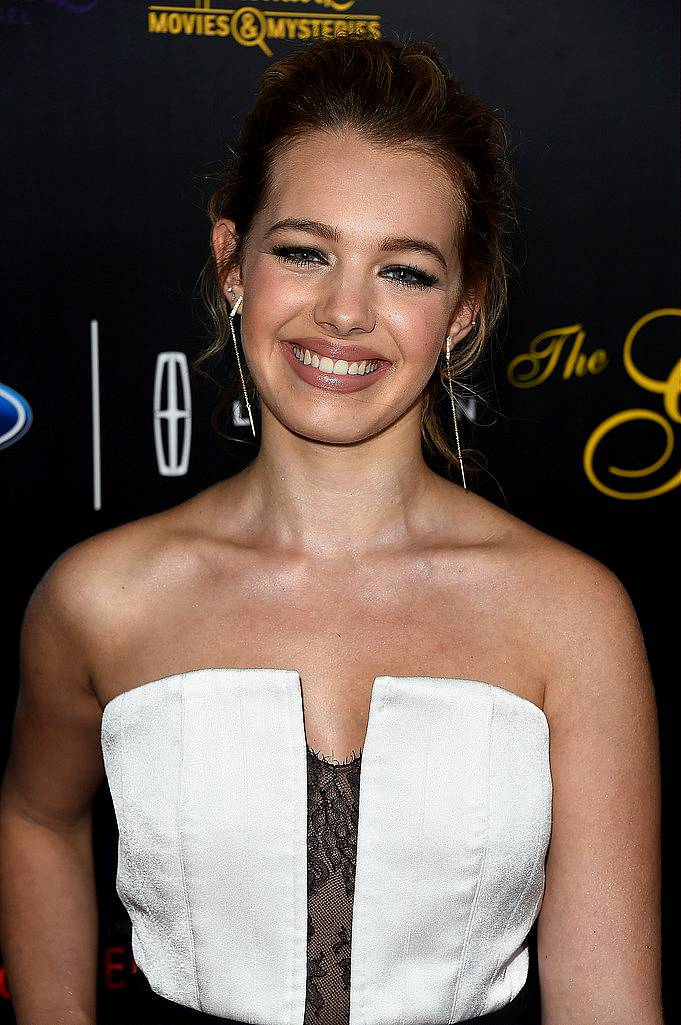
{"points": [[334, 350]]}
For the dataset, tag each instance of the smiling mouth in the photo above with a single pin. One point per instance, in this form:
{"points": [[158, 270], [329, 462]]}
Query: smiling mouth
{"points": [[339, 367]]}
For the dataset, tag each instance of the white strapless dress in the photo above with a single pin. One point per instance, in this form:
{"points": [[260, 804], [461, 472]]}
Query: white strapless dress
{"points": [[208, 775]]}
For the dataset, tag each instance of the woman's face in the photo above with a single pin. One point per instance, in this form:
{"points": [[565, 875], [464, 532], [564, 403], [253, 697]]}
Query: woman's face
{"points": [[353, 259]]}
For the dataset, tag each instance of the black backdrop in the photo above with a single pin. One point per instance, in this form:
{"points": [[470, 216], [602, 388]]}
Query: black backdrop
{"points": [[116, 114]]}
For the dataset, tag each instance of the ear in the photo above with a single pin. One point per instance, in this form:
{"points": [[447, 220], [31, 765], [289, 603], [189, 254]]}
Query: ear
{"points": [[223, 241], [460, 325]]}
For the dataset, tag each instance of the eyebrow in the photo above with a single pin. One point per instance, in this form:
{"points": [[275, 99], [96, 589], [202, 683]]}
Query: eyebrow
{"points": [[387, 245], [416, 245]]}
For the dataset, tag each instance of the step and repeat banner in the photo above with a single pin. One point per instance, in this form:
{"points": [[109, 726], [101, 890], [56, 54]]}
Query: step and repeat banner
{"points": [[117, 115]]}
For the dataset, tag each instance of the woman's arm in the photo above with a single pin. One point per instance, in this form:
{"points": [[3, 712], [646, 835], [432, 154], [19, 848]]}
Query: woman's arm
{"points": [[48, 912], [599, 926]]}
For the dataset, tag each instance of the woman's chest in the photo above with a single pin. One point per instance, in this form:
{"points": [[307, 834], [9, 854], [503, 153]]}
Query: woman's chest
{"points": [[338, 634]]}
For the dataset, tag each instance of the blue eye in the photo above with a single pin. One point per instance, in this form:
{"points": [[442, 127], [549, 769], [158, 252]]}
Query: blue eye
{"points": [[298, 255], [404, 275], [411, 277]]}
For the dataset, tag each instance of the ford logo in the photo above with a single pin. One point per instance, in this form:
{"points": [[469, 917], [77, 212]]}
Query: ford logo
{"points": [[15, 416]]}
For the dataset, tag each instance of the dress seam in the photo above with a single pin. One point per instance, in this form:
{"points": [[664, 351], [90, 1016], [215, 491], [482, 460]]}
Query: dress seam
{"points": [[190, 927], [481, 874], [247, 834], [422, 807]]}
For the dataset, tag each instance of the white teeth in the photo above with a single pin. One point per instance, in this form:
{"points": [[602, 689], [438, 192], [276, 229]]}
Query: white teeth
{"points": [[341, 367]]}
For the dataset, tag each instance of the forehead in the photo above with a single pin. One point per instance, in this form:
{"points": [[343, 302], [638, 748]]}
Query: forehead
{"points": [[364, 189]]}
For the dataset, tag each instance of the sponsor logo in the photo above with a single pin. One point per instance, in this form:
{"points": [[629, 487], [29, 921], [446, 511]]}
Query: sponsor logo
{"points": [[253, 26], [560, 352], [15, 416], [239, 416], [172, 414]]}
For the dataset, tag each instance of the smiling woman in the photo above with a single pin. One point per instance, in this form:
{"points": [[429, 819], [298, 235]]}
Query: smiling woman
{"points": [[363, 729], [367, 135]]}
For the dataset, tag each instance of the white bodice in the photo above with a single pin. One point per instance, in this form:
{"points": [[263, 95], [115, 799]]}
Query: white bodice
{"points": [[208, 776]]}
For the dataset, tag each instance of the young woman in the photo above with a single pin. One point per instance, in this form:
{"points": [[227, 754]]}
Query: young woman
{"points": [[362, 728]]}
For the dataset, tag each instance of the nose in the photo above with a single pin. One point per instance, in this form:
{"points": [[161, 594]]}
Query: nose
{"points": [[343, 307]]}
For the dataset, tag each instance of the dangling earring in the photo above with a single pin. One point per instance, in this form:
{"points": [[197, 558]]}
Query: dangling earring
{"points": [[456, 427], [232, 315]]}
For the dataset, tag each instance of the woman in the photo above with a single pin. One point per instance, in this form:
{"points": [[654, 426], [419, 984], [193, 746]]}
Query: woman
{"points": [[486, 683]]}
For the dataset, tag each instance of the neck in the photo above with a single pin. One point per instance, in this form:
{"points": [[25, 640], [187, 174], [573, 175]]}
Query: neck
{"points": [[329, 500]]}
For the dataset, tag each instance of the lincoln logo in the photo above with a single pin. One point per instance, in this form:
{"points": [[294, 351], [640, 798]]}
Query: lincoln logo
{"points": [[172, 414], [15, 416]]}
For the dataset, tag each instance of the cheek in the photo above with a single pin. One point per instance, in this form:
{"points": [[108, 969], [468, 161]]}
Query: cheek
{"points": [[418, 326], [265, 292], [274, 298]]}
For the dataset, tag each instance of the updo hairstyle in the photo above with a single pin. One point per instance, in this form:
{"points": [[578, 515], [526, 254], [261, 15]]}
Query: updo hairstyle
{"points": [[395, 94]]}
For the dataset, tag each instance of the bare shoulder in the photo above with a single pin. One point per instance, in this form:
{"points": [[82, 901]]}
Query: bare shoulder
{"points": [[591, 634], [579, 613], [96, 587], [80, 587], [74, 614]]}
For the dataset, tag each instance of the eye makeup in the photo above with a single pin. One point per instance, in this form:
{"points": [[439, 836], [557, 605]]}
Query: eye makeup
{"points": [[292, 254], [404, 275]]}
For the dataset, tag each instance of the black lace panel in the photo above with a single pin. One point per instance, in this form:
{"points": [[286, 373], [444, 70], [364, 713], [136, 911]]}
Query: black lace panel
{"points": [[332, 817], [332, 814]]}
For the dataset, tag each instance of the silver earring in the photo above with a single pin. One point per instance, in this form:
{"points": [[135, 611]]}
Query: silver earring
{"points": [[232, 315], [456, 427]]}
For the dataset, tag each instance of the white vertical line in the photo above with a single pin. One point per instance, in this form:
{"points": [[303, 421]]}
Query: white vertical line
{"points": [[96, 448]]}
